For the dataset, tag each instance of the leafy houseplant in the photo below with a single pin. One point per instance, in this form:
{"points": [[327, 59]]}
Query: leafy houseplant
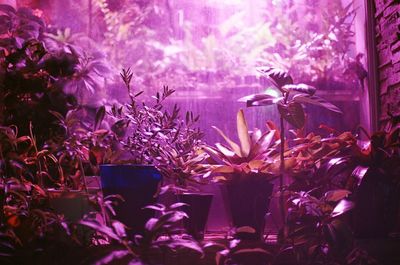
{"points": [[31, 77], [247, 172], [290, 108], [185, 174], [147, 137], [28, 217], [370, 170], [160, 243]]}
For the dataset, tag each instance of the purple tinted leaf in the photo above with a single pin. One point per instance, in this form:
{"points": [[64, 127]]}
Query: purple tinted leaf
{"points": [[101, 112], [114, 256], [7, 9], [302, 88], [260, 100], [359, 173], [188, 244], [314, 100], [278, 77], [119, 228], [225, 151], [342, 207], [178, 205], [293, 113], [100, 228], [157, 207], [336, 195], [151, 223]]}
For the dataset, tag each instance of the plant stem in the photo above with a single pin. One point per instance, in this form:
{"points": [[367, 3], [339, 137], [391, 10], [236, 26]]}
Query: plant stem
{"points": [[282, 169]]}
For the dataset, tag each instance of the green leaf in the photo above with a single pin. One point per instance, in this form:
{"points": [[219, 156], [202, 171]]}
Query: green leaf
{"points": [[243, 133], [314, 100]]}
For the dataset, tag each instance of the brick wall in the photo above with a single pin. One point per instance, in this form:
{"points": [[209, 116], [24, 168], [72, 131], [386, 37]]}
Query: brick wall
{"points": [[387, 21]]}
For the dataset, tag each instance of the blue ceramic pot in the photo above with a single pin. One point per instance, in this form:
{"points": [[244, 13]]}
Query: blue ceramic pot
{"points": [[138, 185]]}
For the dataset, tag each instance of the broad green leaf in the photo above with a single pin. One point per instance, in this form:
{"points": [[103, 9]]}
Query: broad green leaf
{"points": [[233, 145], [243, 133], [314, 100]]}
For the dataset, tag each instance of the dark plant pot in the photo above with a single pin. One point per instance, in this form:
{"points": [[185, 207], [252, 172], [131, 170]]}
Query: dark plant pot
{"points": [[248, 201], [74, 205], [138, 185], [376, 205], [197, 210]]}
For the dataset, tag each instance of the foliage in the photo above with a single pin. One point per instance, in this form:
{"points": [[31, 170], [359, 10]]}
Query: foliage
{"points": [[91, 70], [292, 97], [311, 158], [316, 232], [161, 237], [253, 155], [31, 78], [151, 134], [312, 39]]}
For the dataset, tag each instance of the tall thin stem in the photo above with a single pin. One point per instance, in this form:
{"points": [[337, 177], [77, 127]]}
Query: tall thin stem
{"points": [[282, 169]]}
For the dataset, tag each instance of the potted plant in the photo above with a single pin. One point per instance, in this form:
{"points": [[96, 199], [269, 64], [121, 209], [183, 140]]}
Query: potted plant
{"points": [[290, 107], [161, 241], [247, 172], [369, 169], [184, 176], [141, 140]]}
